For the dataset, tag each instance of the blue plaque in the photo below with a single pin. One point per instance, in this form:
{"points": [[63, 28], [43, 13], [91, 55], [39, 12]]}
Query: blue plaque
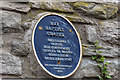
{"points": [[56, 45]]}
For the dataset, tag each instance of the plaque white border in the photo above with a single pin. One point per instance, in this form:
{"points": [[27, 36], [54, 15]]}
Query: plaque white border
{"points": [[47, 14]]}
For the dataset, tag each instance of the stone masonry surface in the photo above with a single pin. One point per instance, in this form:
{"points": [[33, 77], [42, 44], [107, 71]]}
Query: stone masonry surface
{"points": [[93, 21]]}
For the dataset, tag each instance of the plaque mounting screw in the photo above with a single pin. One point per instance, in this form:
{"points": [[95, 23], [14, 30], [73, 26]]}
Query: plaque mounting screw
{"points": [[70, 30], [40, 28], [58, 62]]}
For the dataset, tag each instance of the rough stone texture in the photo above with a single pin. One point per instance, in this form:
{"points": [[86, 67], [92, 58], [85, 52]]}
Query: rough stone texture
{"points": [[86, 69], [15, 6], [80, 19], [54, 6], [10, 64], [9, 39], [1, 41], [0, 23], [12, 37], [91, 33], [26, 25], [119, 6], [96, 1], [100, 11], [113, 68], [26, 72], [89, 68], [107, 51], [19, 48], [113, 1], [106, 31], [11, 22], [109, 31], [16, 44], [0, 28]]}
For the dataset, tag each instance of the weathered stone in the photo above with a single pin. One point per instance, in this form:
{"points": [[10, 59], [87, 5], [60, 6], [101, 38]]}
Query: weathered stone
{"points": [[0, 29], [91, 33], [12, 37], [26, 25], [19, 48], [119, 6], [11, 22], [76, 18], [26, 72], [113, 68], [109, 31], [12, 43], [53, 6], [100, 11], [1, 41], [0, 23], [10, 64], [107, 51], [15, 6], [89, 68], [96, 1], [113, 1], [80, 19]]}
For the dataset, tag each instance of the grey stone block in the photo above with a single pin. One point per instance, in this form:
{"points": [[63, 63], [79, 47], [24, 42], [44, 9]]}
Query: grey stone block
{"points": [[11, 22], [10, 64], [15, 6]]}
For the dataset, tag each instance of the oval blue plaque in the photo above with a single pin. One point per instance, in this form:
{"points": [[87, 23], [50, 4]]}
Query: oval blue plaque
{"points": [[56, 45]]}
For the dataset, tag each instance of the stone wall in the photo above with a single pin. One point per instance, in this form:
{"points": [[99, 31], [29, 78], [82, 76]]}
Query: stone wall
{"points": [[93, 21]]}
